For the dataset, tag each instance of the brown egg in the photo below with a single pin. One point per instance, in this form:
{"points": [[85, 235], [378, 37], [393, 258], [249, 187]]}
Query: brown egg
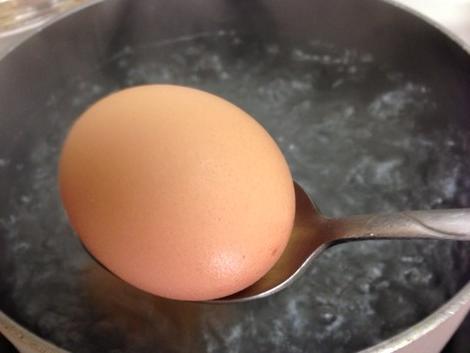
{"points": [[177, 191]]}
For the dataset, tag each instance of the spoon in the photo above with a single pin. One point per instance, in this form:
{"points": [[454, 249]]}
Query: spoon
{"points": [[312, 233]]}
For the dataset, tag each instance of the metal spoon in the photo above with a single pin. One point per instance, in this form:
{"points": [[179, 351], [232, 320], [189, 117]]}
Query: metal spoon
{"points": [[313, 233]]}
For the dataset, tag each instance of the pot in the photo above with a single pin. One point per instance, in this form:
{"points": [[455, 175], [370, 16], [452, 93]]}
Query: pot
{"points": [[370, 105]]}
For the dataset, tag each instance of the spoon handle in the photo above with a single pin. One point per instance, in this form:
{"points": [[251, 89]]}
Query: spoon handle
{"points": [[432, 224]]}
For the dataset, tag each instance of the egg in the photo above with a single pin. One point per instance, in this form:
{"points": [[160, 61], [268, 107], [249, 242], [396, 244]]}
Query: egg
{"points": [[177, 191]]}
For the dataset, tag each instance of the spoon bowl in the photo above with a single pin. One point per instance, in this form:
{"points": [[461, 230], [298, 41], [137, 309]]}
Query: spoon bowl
{"points": [[313, 232]]}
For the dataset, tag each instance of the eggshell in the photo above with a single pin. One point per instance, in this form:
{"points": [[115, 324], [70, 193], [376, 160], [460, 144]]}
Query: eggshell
{"points": [[177, 191]]}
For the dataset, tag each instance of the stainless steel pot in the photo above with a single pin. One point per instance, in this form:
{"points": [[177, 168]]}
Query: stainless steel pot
{"points": [[370, 105]]}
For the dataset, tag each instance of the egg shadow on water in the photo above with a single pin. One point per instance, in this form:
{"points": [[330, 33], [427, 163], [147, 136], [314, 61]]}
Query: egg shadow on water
{"points": [[142, 319]]}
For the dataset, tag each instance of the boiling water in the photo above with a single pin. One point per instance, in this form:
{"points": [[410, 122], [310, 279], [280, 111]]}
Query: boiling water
{"points": [[357, 135]]}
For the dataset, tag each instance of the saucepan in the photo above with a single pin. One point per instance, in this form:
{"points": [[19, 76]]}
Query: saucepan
{"points": [[369, 103]]}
